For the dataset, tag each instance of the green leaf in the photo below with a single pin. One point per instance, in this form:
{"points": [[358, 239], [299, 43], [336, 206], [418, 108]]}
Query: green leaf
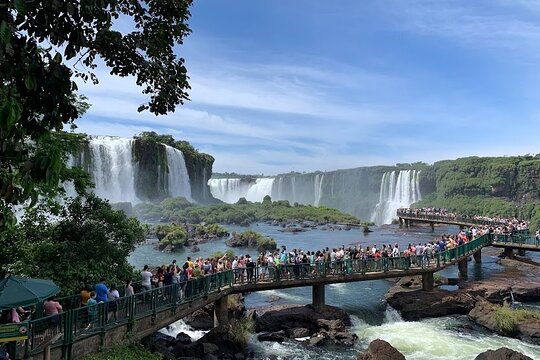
{"points": [[5, 32], [20, 6], [29, 82]]}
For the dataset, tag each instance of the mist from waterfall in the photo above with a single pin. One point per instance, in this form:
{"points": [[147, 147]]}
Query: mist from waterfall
{"points": [[396, 193], [177, 177], [112, 169], [231, 190], [318, 188]]}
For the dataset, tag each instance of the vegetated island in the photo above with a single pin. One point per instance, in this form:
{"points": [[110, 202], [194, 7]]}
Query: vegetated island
{"points": [[243, 213]]}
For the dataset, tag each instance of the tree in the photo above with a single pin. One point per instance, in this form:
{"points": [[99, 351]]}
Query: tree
{"points": [[75, 243], [38, 95]]}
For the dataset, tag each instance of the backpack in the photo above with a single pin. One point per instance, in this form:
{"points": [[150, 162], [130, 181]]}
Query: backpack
{"points": [[183, 276]]}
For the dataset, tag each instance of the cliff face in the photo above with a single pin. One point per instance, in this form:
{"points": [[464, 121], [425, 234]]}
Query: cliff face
{"points": [[514, 179], [199, 168], [150, 171]]}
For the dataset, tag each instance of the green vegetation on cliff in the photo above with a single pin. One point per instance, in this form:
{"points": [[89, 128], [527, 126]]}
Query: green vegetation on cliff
{"points": [[243, 213], [150, 154], [131, 352], [506, 186]]}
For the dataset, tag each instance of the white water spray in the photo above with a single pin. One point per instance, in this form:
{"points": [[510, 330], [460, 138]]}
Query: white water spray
{"points": [[178, 177], [395, 194]]}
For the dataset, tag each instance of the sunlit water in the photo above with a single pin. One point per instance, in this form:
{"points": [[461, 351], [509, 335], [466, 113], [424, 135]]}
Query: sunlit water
{"points": [[453, 337]]}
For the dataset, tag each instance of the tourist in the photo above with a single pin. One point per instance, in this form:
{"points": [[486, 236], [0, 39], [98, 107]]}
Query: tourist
{"points": [[250, 266], [85, 294], [112, 302], [52, 308], [146, 278], [92, 310], [128, 290], [101, 291]]}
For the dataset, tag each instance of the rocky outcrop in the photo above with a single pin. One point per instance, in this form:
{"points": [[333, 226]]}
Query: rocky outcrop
{"points": [[222, 342], [526, 329], [381, 350], [502, 354], [203, 319], [328, 324]]}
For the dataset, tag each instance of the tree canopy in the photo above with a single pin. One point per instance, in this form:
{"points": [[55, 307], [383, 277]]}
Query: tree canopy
{"points": [[44, 45]]}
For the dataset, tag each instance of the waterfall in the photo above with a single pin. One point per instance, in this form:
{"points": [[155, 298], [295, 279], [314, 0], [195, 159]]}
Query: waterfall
{"points": [[177, 177], [230, 190], [112, 169], [293, 186], [396, 193], [318, 188], [261, 188]]}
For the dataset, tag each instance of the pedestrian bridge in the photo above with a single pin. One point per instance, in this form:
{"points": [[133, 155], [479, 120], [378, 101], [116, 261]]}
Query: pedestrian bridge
{"points": [[146, 312]]}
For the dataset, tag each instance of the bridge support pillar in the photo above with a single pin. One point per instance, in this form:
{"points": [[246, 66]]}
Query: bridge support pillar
{"points": [[509, 253], [400, 222], [478, 256], [427, 281], [432, 226], [521, 252], [462, 269], [318, 296], [221, 313]]}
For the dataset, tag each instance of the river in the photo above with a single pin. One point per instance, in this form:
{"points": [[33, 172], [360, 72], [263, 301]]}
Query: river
{"points": [[451, 337]]}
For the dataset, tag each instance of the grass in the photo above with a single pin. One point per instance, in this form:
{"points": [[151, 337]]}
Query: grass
{"points": [[508, 319], [127, 352], [240, 334]]}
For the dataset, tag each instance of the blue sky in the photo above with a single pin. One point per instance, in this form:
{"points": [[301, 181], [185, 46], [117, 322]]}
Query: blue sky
{"points": [[281, 86]]}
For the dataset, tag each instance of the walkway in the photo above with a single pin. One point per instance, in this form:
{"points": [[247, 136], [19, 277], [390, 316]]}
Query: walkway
{"points": [[146, 312]]}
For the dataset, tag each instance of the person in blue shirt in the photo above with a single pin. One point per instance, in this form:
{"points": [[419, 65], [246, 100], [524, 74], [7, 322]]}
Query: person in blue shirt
{"points": [[101, 291]]}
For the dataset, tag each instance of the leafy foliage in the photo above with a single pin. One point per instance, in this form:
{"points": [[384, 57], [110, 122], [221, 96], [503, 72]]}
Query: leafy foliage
{"points": [[244, 213], [508, 319], [76, 243], [132, 352], [38, 94]]}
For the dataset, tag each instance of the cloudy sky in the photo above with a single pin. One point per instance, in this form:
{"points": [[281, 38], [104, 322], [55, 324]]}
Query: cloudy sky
{"points": [[306, 85]]}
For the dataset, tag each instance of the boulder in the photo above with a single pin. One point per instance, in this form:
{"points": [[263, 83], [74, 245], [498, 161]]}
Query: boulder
{"points": [[316, 341], [502, 354], [183, 338], [296, 333], [527, 329], [277, 336], [381, 350], [195, 249], [203, 319]]}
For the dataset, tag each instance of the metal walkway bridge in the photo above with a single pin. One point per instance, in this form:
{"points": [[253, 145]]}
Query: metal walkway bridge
{"points": [[83, 330]]}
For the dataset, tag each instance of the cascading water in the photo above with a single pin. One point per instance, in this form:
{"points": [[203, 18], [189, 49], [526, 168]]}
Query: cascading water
{"points": [[318, 188], [395, 194], [112, 169], [230, 190], [178, 177]]}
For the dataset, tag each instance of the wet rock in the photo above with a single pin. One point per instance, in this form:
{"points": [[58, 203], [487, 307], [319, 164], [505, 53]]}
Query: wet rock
{"points": [[316, 341], [381, 350], [527, 329], [329, 323], [195, 249], [277, 336], [297, 333], [203, 319], [183, 338], [502, 354]]}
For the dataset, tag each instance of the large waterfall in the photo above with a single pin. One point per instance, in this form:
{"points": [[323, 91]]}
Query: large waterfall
{"points": [[231, 190], [178, 177], [318, 188], [112, 169], [119, 177], [395, 194]]}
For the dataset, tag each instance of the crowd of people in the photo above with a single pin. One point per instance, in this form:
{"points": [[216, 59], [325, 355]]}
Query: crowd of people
{"points": [[512, 223]]}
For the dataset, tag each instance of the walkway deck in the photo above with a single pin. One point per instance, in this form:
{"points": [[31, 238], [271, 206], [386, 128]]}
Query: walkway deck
{"points": [[146, 312]]}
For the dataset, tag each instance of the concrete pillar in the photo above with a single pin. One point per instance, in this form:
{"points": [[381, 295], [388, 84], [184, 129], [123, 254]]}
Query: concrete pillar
{"points": [[462, 268], [509, 253], [427, 281], [221, 313], [400, 222], [478, 256], [318, 296], [521, 252], [432, 225]]}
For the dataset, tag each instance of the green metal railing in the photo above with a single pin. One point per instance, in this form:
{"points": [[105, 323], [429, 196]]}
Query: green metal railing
{"points": [[79, 322], [465, 220]]}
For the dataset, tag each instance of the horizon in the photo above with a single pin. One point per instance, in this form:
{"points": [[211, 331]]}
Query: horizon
{"points": [[312, 86]]}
